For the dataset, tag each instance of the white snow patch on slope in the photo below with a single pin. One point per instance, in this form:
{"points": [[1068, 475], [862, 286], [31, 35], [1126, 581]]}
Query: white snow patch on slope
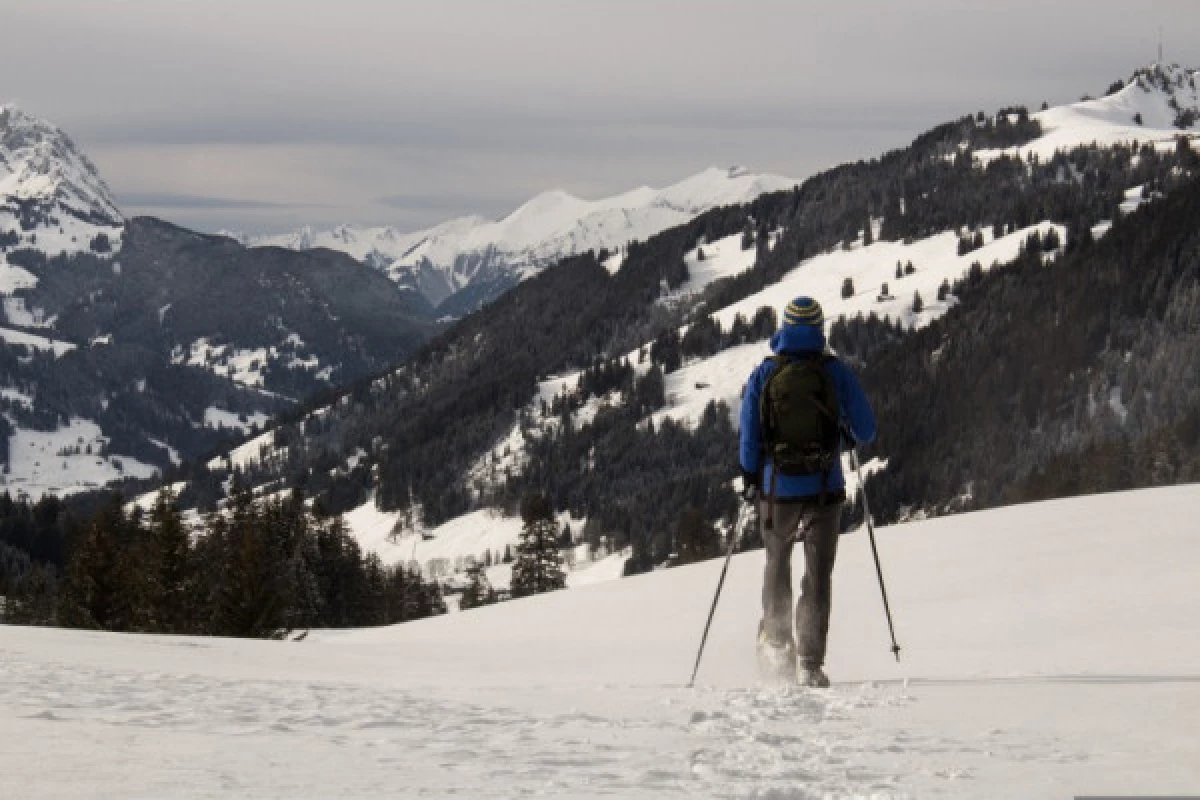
{"points": [[35, 342], [1023, 675], [57, 462], [722, 259], [220, 418]]}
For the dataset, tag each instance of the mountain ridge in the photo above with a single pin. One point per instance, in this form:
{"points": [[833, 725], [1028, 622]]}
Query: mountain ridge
{"points": [[471, 251]]}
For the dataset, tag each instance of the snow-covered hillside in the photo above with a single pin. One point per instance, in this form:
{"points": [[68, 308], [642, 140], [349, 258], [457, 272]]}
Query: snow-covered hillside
{"points": [[452, 256], [1155, 106], [1031, 668]]}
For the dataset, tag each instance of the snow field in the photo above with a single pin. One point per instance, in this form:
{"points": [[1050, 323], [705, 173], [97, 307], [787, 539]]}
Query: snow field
{"points": [[1033, 667], [445, 551], [58, 462], [220, 418]]}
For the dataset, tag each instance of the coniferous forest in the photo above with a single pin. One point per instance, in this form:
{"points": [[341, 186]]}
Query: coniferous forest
{"points": [[263, 569]]}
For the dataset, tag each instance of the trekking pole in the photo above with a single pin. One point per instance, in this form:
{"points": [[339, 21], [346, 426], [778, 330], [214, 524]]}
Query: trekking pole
{"points": [[862, 487], [733, 539]]}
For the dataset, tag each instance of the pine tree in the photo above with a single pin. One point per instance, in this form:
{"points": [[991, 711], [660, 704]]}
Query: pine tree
{"points": [[173, 547], [695, 538], [848, 288], [538, 567], [479, 591], [918, 303]]}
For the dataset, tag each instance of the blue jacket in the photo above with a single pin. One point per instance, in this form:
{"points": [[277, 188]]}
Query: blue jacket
{"points": [[854, 409]]}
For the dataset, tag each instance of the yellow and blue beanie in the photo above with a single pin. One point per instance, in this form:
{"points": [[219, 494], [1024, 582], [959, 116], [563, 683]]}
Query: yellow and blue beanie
{"points": [[804, 311]]}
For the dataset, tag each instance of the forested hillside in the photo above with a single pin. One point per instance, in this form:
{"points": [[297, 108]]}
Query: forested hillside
{"points": [[424, 427]]}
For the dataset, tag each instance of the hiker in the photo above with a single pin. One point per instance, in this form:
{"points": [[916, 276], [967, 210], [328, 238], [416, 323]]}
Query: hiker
{"points": [[797, 407]]}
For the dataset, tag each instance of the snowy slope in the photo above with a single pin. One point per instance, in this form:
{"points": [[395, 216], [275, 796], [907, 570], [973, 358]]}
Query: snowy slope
{"points": [[1156, 95], [1033, 667], [554, 224]]}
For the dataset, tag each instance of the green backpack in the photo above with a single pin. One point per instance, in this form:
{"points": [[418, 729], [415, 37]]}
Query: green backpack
{"points": [[799, 412]]}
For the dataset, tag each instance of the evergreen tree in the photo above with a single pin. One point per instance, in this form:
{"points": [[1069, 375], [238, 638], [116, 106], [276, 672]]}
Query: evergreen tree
{"points": [[918, 304], [695, 537], [848, 288], [479, 591], [538, 566], [173, 546]]}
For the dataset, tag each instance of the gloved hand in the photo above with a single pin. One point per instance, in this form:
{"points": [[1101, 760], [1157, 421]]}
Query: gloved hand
{"points": [[751, 487]]}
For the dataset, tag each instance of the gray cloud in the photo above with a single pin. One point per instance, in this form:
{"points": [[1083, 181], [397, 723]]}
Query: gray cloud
{"points": [[192, 202], [263, 115]]}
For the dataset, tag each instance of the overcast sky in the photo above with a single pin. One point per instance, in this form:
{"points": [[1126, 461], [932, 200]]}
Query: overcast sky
{"points": [[262, 115]]}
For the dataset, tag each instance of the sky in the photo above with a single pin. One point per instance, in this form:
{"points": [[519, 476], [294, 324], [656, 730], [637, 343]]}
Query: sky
{"points": [[264, 115]]}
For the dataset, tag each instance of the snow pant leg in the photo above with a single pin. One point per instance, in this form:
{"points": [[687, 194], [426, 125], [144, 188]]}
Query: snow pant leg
{"points": [[777, 580], [821, 531]]}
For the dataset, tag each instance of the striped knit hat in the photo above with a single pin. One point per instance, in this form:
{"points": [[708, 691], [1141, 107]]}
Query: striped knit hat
{"points": [[804, 311]]}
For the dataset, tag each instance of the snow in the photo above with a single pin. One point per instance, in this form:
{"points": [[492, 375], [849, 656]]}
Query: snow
{"points": [[255, 451], [35, 342], [722, 259], [244, 366], [14, 279], [548, 227], [17, 396], [1110, 120], [57, 462], [1033, 667], [15, 310], [220, 418]]}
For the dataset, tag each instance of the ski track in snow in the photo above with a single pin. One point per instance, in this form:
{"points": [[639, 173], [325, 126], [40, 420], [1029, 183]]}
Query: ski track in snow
{"points": [[758, 742]]}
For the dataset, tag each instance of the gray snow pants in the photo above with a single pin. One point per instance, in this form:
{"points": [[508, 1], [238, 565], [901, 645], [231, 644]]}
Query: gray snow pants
{"points": [[819, 526]]}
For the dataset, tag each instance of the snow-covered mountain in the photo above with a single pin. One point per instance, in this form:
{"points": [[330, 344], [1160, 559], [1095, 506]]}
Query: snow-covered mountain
{"points": [[52, 198], [127, 346], [1156, 105], [1030, 668], [473, 252]]}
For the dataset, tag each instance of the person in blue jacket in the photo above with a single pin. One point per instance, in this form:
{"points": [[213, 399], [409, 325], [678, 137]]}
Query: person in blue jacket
{"points": [[807, 506]]}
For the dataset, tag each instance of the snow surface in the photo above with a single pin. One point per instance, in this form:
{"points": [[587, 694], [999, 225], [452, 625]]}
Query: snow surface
{"points": [[35, 342], [1044, 657], [448, 549], [220, 418], [723, 258], [548, 227], [57, 462]]}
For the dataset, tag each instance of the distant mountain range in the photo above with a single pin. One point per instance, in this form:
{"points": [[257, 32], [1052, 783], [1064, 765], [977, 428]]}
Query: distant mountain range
{"points": [[131, 345], [465, 262]]}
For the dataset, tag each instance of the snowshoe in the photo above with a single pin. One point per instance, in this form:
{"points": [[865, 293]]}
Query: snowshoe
{"points": [[812, 677], [776, 660]]}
